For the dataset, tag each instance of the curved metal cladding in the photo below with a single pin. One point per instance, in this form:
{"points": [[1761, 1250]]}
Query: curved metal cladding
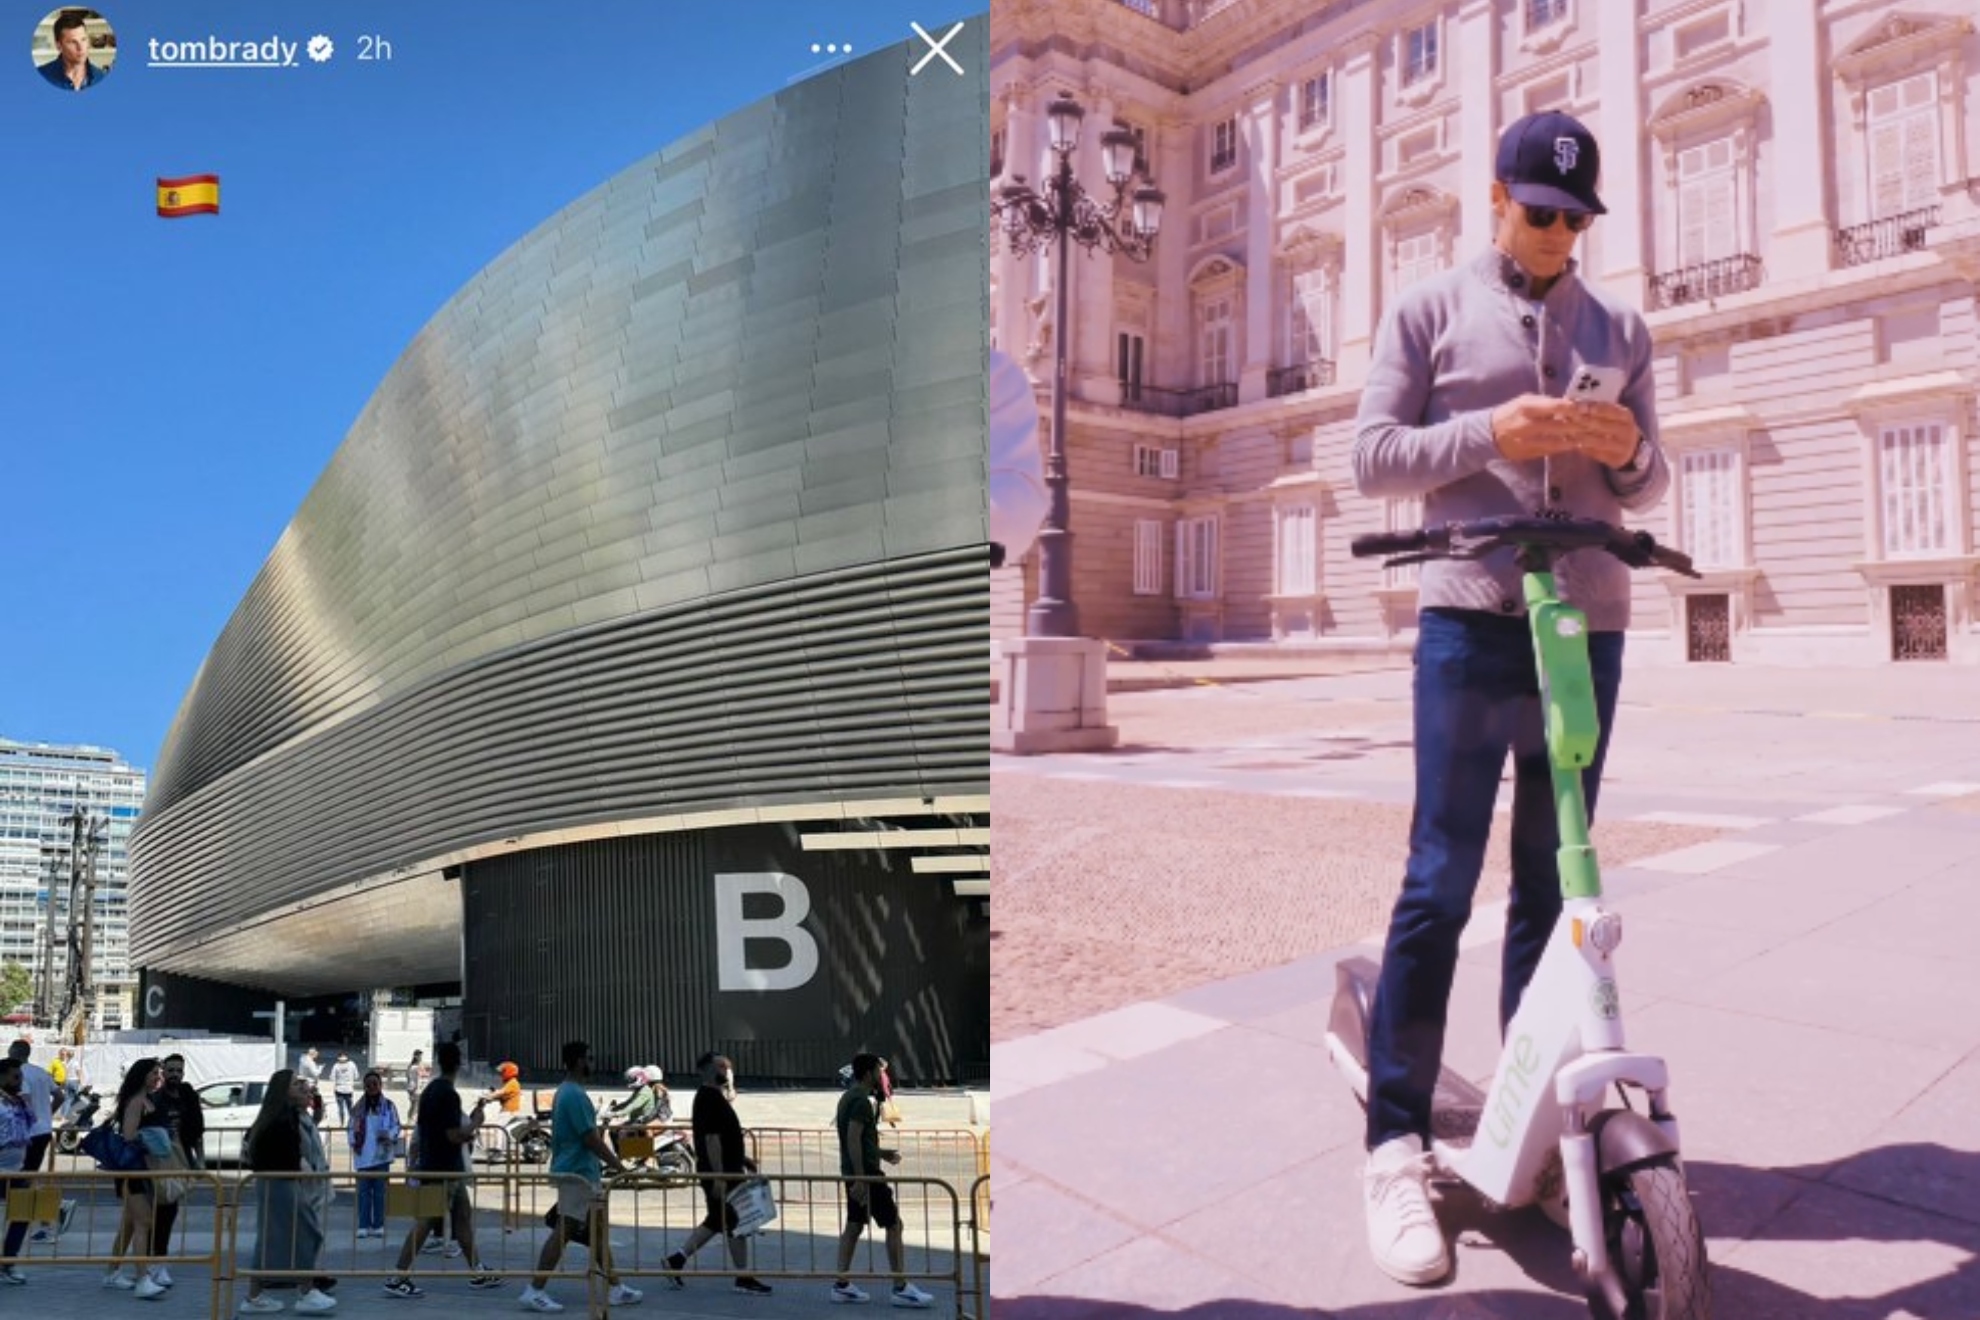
{"points": [[678, 505]]}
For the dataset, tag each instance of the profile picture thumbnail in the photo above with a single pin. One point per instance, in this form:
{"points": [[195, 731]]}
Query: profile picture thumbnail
{"points": [[74, 49]]}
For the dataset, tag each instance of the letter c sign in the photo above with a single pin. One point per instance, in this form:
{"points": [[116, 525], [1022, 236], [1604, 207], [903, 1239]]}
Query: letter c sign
{"points": [[733, 930], [154, 1003]]}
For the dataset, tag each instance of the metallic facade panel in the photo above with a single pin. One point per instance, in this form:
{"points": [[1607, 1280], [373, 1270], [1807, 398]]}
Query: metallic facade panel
{"points": [[625, 531]]}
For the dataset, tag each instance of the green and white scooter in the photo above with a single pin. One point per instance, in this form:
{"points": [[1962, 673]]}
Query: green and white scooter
{"points": [[1542, 1134]]}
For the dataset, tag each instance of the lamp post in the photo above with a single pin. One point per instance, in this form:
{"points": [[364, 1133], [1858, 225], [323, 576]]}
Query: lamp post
{"points": [[1061, 211]]}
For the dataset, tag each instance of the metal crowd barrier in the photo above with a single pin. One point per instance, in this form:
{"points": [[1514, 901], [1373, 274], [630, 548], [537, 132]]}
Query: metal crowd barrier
{"points": [[800, 1245], [90, 1236], [979, 1259]]}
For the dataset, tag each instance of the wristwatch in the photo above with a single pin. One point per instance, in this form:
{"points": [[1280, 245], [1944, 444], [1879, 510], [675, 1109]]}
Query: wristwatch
{"points": [[1639, 458]]}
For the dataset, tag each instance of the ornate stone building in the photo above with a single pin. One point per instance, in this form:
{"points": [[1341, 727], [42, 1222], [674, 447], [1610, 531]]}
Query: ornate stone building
{"points": [[1795, 205]]}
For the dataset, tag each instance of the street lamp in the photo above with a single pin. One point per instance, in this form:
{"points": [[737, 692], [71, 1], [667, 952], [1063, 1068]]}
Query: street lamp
{"points": [[1060, 210]]}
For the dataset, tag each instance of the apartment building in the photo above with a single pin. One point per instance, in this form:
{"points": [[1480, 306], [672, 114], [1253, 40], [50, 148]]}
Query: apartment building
{"points": [[1794, 194]]}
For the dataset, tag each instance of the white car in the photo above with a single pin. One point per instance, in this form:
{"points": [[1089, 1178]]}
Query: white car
{"points": [[229, 1107]]}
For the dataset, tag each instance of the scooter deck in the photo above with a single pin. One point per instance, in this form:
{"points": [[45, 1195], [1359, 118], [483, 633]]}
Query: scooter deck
{"points": [[1456, 1106]]}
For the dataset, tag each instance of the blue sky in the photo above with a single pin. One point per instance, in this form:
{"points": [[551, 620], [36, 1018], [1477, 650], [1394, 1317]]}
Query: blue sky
{"points": [[170, 389]]}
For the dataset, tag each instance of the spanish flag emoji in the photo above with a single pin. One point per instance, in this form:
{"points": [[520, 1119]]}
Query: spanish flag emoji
{"points": [[196, 194]]}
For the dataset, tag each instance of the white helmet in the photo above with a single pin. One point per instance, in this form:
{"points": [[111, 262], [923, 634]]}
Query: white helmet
{"points": [[654, 1073], [635, 1077]]}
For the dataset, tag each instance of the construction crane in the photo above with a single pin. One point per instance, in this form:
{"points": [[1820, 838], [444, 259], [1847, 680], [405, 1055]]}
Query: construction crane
{"points": [[87, 838]]}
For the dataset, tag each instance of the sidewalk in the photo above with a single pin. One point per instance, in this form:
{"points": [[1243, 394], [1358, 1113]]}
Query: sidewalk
{"points": [[1807, 970]]}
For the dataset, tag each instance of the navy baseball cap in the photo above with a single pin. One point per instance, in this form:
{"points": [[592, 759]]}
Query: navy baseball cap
{"points": [[1549, 159]]}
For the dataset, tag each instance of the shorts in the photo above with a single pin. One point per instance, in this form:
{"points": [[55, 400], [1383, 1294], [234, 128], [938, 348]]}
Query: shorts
{"points": [[577, 1198], [721, 1216], [879, 1209], [459, 1204]]}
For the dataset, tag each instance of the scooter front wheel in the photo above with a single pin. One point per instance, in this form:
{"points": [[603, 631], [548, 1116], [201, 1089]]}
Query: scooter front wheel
{"points": [[1656, 1245]]}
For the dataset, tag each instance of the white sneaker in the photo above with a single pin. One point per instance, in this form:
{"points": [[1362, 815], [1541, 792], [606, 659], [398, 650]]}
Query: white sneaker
{"points": [[1402, 1228], [453, 1250], [849, 1294], [315, 1302], [262, 1305], [120, 1278], [148, 1287], [909, 1295], [532, 1300], [625, 1295], [163, 1276]]}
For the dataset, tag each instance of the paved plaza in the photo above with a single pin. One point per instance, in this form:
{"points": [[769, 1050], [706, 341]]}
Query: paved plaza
{"points": [[1796, 854]]}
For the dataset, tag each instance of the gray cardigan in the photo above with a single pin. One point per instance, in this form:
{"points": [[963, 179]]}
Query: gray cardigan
{"points": [[1451, 350]]}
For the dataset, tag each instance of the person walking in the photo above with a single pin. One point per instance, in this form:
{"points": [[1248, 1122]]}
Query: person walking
{"points": [[44, 1096], [442, 1133], [179, 1104], [868, 1198], [373, 1132], [284, 1139], [16, 1125], [418, 1073], [718, 1150], [344, 1084], [1463, 407], [137, 1108], [577, 1153]]}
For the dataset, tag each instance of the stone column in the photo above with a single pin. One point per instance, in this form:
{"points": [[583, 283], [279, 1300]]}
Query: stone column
{"points": [[1261, 206], [1091, 368], [1801, 244], [1014, 273], [1625, 184], [1361, 270], [1478, 127]]}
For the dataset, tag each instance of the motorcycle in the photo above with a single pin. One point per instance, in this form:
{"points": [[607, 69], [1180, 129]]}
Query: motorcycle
{"points": [[77, 1122]]}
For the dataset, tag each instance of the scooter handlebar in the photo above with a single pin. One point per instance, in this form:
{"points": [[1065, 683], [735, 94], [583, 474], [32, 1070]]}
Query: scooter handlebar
{"points": [[1399, 543]]}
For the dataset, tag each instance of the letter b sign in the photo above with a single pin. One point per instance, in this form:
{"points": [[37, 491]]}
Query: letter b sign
{"points": [[733, 930]]}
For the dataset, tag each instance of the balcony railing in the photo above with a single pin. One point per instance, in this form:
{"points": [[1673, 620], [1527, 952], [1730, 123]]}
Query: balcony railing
{"points": [[1891, 236], [1177, 403], [1298, 379], [1705, 281]]}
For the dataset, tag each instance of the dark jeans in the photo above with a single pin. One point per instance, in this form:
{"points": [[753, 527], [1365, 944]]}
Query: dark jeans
{"points": [[1476, 694]]}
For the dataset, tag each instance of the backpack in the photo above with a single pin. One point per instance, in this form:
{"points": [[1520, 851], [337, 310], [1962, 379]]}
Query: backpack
{"points": [[107, 1146]]}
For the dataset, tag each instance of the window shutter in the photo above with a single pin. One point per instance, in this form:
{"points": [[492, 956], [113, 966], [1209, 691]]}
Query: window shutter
{"points": [[1920, 161], [1721, 224], [1711, 507], [1171, 463], [1182, 559], [1887, 168], [1914, 474], [1147, 557]]}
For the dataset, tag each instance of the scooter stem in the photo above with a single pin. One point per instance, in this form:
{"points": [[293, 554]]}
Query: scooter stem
{"points": [[1567, 694]]}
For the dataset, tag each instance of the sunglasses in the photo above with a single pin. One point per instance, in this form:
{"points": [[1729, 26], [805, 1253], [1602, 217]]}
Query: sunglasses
{"points": [[1542, 217]]}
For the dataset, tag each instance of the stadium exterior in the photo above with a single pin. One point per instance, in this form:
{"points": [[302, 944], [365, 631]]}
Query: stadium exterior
{"points": [[626, 665]]}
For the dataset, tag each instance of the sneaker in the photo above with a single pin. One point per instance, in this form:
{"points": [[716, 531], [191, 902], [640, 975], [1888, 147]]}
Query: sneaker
{"points": [[41, 1236], [483, 1279], [849, 1293], [1402, 1228], [119, 1278], [433, 1246], [625, 1295], [148, 1288], [261, 1305], [403, 1288], [754, 1287], [8, 1274], [907, 1294], [675, 1264], [163, 1276], [315, 1302], [68, 1213], [533, 1299]]}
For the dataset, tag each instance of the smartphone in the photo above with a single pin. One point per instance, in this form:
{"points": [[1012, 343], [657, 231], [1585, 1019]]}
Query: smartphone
{"points": [[1597, 385]]}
